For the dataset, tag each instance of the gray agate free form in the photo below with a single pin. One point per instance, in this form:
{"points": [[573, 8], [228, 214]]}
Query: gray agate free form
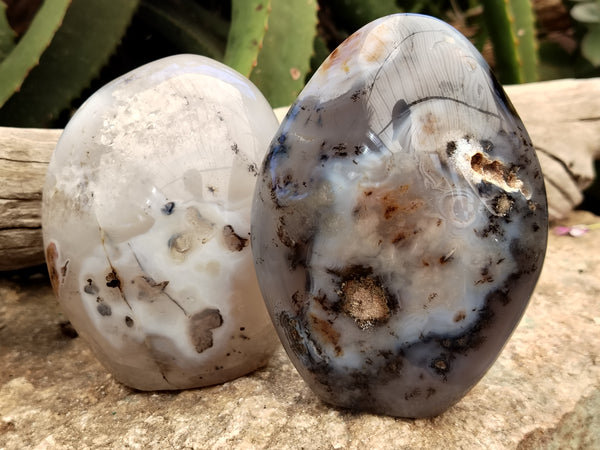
{"points": [[146, 222], [399, 222]]}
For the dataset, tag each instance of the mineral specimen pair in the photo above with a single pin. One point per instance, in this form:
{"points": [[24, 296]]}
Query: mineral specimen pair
{"points": [[399, 222]]}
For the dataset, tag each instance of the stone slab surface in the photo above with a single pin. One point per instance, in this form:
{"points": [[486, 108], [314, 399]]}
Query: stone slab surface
{"points": [[543, 392]]}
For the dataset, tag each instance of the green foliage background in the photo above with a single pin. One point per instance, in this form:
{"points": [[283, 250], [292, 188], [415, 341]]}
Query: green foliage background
{"points": [[55, 53]]}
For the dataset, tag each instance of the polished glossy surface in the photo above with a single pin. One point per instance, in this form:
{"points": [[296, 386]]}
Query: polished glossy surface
{"points": [[146, 221], [399, 222]]}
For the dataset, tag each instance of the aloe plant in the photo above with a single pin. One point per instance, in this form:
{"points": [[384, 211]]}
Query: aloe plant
{"points": [[17, 64], [511, 27], [249, 22], [69, 41], [275, 43], [284, 59], [7, 35], [190, 27], [64, 48]]}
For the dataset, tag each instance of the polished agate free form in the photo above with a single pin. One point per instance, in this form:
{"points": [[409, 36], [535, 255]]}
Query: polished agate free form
{"points": [[399, 221]]}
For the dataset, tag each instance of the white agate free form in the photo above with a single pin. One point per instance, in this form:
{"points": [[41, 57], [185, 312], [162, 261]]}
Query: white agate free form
{"points": [[146, 222]]}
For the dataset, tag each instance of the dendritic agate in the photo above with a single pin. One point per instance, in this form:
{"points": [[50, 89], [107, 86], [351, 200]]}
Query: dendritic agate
{"points": [[146, 221], [399, 221]]}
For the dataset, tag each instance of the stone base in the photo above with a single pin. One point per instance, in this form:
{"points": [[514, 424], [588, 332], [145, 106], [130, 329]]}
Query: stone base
{"points": [[543, 392]]}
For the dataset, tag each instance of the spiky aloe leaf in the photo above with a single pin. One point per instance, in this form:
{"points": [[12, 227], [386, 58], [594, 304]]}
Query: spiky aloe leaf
{"points": [[284, 59], [511, 28], [248, 27], [26, 54], [7, 35], [90, 32], [188, 26]]}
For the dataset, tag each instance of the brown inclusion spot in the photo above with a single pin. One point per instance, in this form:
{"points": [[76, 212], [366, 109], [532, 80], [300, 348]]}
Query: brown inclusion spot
{"points": [[375, 50], [63, 269], [201, 326], [233, 241], [332, 57], [392, 204], [340, 57], [399, 237], [495, 172], [112, 280], [460, 315], [388, 203], [326, 330], [441, 366], [503, 204], [488, 168], [52, 261], [429, 124], [389, 211], [365, 301], [486, 277], [447, 257]]}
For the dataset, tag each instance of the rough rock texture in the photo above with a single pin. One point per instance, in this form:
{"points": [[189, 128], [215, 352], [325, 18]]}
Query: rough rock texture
{"points": [[543, 392]]}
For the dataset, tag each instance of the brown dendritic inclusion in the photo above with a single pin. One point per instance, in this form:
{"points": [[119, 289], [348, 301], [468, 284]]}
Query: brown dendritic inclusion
{"points": [[399, 221]]}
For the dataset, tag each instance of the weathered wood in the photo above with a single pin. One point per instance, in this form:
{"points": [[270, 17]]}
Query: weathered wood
{"points": [[24, 157], [563, 120], [562, 117]]}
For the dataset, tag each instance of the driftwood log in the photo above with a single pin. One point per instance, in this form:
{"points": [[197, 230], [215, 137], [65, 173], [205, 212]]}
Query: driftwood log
{"points": [[562, 117], [24, 157]]}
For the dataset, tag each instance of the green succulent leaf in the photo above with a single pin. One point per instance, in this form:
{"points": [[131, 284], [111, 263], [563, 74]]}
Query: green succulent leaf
{"points": [[590, 45], [90, 32], [26, 54], [526, 43], [7, 35], [511, 27], [284, 59], [188, 26], [248, 28], [586, 12]]}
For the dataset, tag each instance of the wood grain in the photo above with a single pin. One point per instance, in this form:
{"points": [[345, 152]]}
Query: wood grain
{"points": [[24, 157], [563, 120], [562, 117]]}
